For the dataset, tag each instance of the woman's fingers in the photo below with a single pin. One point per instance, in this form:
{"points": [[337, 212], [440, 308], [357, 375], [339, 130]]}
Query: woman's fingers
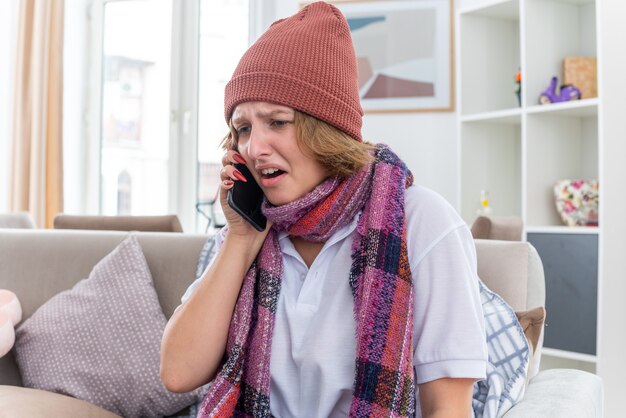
{"points": [[226, 159], [232, 157], [229, 172], [238, 158]]}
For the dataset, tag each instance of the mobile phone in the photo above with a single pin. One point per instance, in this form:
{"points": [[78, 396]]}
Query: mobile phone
{"points": [[246, 199]]}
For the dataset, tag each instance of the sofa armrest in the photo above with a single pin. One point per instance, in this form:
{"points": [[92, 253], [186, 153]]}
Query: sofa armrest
{"points": [[9, 374], [561, 393], [16, 402]]}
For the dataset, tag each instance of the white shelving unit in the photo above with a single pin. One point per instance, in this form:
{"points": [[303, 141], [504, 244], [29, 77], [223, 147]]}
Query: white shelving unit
{"points": [[517, 151]]}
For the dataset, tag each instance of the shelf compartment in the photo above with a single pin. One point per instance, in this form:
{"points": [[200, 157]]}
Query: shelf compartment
{"points": [[560, 359], [509, 116], [499, 9], [586, 107], [558, 147], [489, 57], [555, 30], [593, 230], [490, 160], [570, 263], [570, 355], [578, 2]]}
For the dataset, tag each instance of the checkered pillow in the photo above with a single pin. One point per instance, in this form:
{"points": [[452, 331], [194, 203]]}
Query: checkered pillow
{"points": [[509, 356]]}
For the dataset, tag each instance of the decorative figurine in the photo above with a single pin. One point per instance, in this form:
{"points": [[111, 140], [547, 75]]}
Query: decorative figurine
{"points": [[485, 209], [566, 93], [518, 87]]}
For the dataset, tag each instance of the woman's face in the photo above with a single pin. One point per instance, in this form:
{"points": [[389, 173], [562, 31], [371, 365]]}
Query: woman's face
{"points": [[267, 141]]}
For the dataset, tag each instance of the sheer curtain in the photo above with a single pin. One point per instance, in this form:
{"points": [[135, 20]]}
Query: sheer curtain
{"points": [[36, 179], [8, 36]]}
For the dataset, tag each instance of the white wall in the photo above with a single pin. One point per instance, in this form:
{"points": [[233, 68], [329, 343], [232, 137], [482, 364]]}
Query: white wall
{"points": [[8, 34], [612, 291], [425, 141]]}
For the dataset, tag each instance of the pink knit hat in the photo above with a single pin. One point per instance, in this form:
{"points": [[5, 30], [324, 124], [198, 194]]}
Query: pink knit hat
{"points": [[306, 62]]}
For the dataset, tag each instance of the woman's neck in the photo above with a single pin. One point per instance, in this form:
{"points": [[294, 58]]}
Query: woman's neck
{"points": [[307, 250]]}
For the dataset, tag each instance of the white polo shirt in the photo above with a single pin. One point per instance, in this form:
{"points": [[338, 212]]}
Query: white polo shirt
{"points": [[313, 356]]}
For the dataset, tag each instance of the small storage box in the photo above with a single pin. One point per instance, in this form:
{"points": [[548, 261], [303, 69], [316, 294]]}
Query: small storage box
{"points": [[582, 73]]}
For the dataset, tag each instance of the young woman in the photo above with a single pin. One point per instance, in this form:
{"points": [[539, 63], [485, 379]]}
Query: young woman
{"points": [[360, 298]]}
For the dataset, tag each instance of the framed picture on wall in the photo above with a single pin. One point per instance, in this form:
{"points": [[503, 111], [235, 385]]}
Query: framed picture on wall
{"points": [[405, 54]]}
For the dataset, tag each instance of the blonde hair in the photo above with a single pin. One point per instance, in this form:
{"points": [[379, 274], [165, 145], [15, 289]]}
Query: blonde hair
{"points": [[336, 151]]}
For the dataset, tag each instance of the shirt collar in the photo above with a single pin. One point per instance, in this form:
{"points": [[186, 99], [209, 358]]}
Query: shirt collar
{"points": [[339, 235]]}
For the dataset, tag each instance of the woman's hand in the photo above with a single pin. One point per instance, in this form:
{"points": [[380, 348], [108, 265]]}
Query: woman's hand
{"points": [[228, 176], [194, 340]]}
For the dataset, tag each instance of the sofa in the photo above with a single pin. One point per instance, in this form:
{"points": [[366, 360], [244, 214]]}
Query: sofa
{"points": [[39, 264], [504, 228], [16, 220], [150, 223]]}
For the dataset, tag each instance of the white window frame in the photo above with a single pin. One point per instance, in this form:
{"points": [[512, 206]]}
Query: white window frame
{"points": [[184, 112]]}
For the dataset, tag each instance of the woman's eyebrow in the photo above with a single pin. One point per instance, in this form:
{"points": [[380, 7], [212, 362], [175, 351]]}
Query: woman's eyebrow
{"points": [[264, 115], [237, 120], [274, 113]]}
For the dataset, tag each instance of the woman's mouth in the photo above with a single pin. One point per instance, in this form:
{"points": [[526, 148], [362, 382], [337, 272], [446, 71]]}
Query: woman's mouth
{"points": [[268, 173], [271, 176]]}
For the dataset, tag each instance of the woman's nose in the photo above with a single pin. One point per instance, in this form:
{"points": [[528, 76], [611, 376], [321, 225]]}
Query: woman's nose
{"points": [[258, 145]]}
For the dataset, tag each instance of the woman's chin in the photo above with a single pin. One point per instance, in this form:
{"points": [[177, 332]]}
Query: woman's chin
{"points": [[278, 201], [284, 195]]}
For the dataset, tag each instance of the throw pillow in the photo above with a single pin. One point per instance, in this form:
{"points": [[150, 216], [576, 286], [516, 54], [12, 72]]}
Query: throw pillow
{"points": [[100, 340], [206, 255], [508, 358], [532, 323]]}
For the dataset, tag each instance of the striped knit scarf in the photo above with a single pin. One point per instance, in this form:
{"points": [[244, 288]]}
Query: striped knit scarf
{"points": [[381, 284]]}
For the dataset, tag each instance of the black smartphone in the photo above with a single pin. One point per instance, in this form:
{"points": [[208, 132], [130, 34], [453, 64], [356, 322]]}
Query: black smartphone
{"points": [[246, 198]]}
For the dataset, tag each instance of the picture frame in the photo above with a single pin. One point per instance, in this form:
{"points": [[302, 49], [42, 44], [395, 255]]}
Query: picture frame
{"points": [[405, 54]]}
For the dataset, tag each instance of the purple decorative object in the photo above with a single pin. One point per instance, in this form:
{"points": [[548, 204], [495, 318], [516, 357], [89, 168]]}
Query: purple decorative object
{"points": [[566, 93]]}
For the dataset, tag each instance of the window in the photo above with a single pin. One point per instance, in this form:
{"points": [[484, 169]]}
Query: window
{"points": [[124, 193], [135, 118], [156, 121]]}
